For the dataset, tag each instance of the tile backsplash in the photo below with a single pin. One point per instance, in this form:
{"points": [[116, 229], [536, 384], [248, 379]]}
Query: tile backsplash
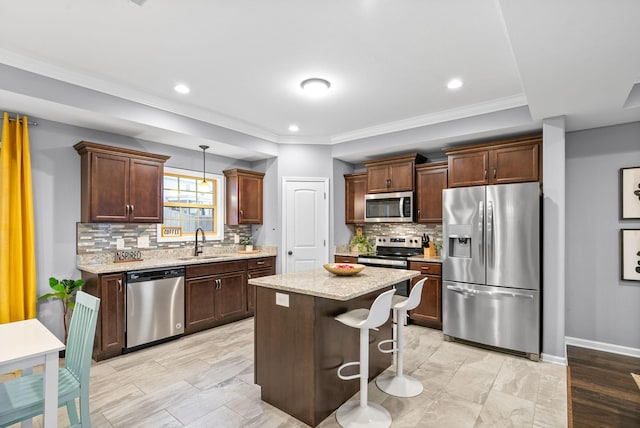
{"points": [[371, 230], [96, 238]]}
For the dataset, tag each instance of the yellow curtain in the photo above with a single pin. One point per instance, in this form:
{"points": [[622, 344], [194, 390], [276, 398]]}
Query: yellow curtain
{"points": [[17, 246]]}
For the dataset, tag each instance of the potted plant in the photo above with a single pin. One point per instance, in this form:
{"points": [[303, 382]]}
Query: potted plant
{"points": [[65, 290], [247, 241], [360, 244]]}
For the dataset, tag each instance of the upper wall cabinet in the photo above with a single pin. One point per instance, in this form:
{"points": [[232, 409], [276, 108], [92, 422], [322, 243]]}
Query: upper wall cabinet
{"points": [[392, 174], [509, 161], [120, 185], [244, 196], [355, 189], [431, 179]]}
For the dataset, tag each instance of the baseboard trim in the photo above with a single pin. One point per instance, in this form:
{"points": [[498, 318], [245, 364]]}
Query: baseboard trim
{"points": [[554, 359], [601, 346]]}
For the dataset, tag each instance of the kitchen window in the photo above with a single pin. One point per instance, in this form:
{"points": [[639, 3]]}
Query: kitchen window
{"points": [[188, 205]]}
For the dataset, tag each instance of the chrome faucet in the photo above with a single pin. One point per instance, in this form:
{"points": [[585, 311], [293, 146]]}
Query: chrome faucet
{"points": [[198, 248]]}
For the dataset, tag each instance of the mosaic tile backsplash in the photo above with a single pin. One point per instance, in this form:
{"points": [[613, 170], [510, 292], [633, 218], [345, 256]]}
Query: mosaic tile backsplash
{"points": [[371, 230], [97, 238]]}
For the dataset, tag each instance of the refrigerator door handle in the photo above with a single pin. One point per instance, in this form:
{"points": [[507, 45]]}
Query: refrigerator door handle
{"points": [[490, 248], [481, 228], [457, 289], [472, 292]]}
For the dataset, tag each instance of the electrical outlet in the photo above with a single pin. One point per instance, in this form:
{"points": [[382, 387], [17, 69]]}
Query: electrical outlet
{"points": [[120, 244], [236, 238]]}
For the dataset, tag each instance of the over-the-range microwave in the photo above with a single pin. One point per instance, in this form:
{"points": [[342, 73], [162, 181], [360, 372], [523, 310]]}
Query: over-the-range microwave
{"points": [[388, 207]]}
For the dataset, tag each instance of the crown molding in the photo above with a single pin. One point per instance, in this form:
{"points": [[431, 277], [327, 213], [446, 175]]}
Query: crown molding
{"points": [[505, 103], [126, 92]]}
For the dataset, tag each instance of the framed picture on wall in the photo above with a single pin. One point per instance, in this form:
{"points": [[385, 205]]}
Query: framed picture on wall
{"points": [[630, 193], [630, 254]]}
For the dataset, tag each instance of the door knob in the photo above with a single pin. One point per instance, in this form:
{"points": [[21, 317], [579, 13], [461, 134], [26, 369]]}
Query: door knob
{"points": [[290, 252]]}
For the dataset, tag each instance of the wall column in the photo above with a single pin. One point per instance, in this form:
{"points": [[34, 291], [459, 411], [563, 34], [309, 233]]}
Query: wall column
{"points": [[553, 238]]}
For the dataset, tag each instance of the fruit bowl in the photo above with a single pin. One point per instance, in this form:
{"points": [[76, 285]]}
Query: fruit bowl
{"points": [[343, 269]]}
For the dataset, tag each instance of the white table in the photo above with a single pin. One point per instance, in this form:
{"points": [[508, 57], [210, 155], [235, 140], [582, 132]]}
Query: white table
{"points": [[29, 343]]}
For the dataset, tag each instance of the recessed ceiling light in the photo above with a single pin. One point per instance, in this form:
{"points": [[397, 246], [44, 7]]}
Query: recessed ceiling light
{"points": [[454, 84], [181, 88], [294, 128], [315, 86]]}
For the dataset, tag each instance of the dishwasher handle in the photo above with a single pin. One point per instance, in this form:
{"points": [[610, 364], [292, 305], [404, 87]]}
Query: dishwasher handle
{"points": [[153, 274]]}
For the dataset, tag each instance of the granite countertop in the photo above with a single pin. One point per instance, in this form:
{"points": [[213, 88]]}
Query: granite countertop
{"points": [[112, 267], [321, 283], [435, 259]]}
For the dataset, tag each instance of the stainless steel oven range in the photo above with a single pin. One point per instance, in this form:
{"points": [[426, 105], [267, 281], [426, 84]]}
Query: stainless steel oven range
{"points": [[393, 252]]}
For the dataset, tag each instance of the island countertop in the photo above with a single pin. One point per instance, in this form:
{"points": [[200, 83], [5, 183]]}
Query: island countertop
{"points": [[321, 283]]}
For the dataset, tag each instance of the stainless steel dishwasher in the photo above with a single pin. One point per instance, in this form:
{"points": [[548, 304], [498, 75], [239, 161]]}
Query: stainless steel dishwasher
{"points": [[155, 306]]}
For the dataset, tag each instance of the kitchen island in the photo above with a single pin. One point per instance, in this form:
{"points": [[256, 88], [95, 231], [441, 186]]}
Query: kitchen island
{"points": [[299, 346]]}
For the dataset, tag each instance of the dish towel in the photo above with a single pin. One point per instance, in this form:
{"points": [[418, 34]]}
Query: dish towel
{"points": [[636, 377]]}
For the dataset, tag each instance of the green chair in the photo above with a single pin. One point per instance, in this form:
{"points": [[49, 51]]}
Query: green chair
{"points": [[23, 398]]}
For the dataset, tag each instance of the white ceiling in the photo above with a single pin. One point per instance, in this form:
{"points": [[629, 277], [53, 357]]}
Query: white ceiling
{"points": [[388, 62]]}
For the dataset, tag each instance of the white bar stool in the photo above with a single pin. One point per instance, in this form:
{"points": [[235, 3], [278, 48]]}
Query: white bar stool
{"points": [[353, 414], [401, 385]]}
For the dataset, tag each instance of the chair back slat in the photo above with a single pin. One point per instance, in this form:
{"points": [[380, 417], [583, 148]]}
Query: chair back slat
{"points": [[81, 335]]}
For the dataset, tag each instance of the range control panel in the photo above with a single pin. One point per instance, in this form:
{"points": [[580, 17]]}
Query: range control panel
{"points": [[399, 241]]}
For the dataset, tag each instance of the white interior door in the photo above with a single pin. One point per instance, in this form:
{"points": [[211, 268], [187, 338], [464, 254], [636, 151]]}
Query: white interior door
{"points": [[305, 223]]}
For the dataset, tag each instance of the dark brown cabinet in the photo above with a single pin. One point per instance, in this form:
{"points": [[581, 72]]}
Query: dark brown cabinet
{"points": [[509, 161], [431, 179], [120, 185], [355, 189], [244, 196], [392, 174], [109, 288], [345, 259], [257, 268], [215, 293], [429, 311]]}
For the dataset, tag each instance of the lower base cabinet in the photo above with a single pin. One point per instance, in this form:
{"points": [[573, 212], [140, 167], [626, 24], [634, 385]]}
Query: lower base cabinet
{"points": [[429, 311], [257, 268], [110, 289], [345, 259], [214, 293]]}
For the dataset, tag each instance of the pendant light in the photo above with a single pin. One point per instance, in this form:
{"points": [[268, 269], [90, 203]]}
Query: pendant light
{"points": [[204, 183]]}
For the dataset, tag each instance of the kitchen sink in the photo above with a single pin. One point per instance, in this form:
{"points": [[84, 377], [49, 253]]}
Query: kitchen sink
{"points": [[198, 258]]}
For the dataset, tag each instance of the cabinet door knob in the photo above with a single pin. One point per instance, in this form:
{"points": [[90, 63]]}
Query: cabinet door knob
{"points": [[494, 173], [131, 209], [485, 174], [241, 213], [120, 285], [290, 252], [388, 182], [259, 263]]}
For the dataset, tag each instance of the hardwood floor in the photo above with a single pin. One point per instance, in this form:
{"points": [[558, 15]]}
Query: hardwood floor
{"points": [[603, 393]]}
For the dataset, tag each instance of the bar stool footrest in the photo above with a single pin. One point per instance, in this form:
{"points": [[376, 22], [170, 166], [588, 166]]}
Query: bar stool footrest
{"points": [[344, 366], [394, 349]]}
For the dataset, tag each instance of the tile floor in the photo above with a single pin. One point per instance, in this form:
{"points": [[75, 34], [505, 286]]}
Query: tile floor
{"points": [[206, 380]]}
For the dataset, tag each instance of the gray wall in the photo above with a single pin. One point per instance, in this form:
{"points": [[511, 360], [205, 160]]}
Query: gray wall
{"points": [[599, 306], [56, 195]]}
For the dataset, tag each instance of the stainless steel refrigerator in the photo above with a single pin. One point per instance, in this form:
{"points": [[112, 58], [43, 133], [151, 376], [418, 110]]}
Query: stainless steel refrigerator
{"points": [[491, 265]]}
